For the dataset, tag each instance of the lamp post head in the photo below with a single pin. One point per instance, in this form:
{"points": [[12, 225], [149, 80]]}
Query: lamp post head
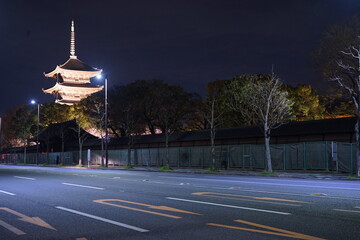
{"points": [[33, 102], [99, 76]]}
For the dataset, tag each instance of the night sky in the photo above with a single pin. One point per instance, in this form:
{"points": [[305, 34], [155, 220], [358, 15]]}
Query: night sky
{"points": [[184, 42]]}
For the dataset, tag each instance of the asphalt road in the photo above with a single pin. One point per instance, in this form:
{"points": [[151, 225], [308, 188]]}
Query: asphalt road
{"points": [[59, 203]]}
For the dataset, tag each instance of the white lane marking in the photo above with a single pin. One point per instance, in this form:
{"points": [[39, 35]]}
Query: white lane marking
{"points": [[11, 228], [83, 186], [27, 178], [269, 183], [103, 219], [9, 193], [229, 206]]}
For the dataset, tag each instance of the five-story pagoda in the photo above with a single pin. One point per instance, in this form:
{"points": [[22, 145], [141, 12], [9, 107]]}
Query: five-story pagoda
{"points": [[73, 78]]}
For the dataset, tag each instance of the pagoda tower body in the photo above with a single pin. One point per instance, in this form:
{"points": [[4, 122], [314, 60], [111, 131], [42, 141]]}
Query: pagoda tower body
{"points": [[72, 78]]}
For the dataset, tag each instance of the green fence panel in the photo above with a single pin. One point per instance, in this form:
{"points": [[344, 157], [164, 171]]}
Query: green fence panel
{"points": [[315, 156], [277, 156], [257, 159]]}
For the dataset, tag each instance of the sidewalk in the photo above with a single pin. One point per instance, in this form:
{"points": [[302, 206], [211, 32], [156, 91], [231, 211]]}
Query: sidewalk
{"points": [[234, 172], [231, 172]]}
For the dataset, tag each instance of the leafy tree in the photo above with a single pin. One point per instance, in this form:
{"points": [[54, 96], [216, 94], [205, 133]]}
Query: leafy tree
{"points": [[337, 103], [307, 105], [175, 107], [149, 101], [51, 113], [78, 112], [94, 108], [125, 112], [231, 116], [7, 130], [22, 123], [262, 99]]}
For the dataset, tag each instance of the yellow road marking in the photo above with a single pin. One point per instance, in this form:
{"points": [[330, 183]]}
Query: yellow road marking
{"points": [[238, 197], [274, 231], [252, 200], [345, 210], [33, 220], [11, 228], [165, 208]]}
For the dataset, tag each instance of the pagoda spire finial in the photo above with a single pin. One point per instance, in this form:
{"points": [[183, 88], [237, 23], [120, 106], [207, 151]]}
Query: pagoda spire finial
{"points": [[72, 41]]}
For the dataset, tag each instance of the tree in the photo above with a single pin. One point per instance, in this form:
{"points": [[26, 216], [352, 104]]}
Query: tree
{"points": [[213, 110], [263, 98], [125, 111], [78, 112], [349, 79], [307, 105], [8, 132], [22, 123], [335, 39], [337, 103], [339, 58], [175, 107], [94, 108], [237, 91], [52, 113]]}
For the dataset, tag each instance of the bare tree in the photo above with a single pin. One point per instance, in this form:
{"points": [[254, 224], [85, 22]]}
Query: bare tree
{"points": [[349, 79], [263, 101], [212, 114]]}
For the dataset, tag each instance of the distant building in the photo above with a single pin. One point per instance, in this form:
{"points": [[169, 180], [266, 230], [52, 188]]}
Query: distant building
{"points": [[72, 78]]}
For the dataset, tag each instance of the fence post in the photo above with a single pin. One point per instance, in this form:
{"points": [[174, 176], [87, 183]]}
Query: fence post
{"points": [[203, 156], [243, 153], [284, 157], [326, 156], [304, 163], [351, 158], [228, 157], [250, 156]]}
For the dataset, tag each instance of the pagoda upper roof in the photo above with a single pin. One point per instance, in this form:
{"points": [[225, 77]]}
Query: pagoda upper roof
{"points": [[73, 64], [76, 64]]}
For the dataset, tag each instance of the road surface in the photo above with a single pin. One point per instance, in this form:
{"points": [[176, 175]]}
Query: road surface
{"points": [[81, 204]]}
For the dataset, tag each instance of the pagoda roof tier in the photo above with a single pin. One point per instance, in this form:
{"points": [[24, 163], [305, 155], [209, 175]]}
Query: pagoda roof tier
{"points": [[73, 88], [66, 101], [74, 67]]}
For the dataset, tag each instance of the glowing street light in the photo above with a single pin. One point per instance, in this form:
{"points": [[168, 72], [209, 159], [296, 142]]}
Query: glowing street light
{"points": [[105, 120], [33, 102]]}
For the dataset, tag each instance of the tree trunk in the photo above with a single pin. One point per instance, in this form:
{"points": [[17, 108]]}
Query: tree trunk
{"points": [[167, 149], [213, 157], [267, 149], [212, 136], [80, 146], [25, 154], [80, 153], [62, 144], [357, 137]]}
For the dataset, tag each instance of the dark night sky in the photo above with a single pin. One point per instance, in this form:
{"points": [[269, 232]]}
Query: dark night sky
{"points": [[183, 42]]}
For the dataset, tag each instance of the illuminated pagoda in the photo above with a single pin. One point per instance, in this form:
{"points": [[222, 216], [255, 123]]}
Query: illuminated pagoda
{"points": [[73, 78]]}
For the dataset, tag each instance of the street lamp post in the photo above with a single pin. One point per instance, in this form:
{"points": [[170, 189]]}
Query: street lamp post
{"points": [[37, 129], [105, 119], [106, 125]]}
